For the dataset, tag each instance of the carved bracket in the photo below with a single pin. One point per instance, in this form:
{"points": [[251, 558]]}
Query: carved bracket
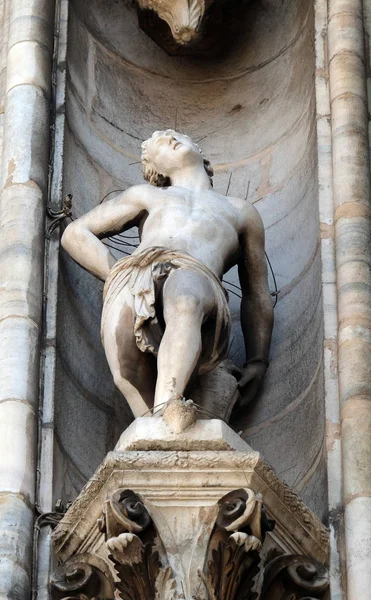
{"points": [[142, 565]]}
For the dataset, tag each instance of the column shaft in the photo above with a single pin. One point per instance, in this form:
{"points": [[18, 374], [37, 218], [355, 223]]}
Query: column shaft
{"points": [[353, 270], [22, 213]]}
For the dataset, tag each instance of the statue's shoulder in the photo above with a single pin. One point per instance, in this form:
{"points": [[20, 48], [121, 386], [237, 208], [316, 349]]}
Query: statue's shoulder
{"points": [[143, 192], [243, 205], [248, 215]]}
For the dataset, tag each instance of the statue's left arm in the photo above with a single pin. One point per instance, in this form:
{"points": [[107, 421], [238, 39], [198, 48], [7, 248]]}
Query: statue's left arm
{"points": [[256, 304]]}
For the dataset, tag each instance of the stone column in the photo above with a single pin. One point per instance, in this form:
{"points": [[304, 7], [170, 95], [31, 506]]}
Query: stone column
{"points": [[330, 312], [353, 270], [22, 211]]}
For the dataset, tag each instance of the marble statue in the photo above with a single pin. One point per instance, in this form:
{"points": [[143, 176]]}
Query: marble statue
{"points": [[166, 300]]}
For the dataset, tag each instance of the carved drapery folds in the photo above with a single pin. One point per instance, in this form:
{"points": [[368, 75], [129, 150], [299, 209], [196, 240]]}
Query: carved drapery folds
{"points": [[139, 565]]}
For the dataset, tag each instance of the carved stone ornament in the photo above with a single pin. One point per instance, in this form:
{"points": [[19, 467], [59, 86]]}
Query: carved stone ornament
{"points": [[229, 572], [294, 578], [142, 568], [233, 555], [184, 17], [189, 524], [84, 576], [130, 539]]}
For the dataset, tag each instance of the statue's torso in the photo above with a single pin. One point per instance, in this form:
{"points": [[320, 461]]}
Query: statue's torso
{"points": [[204, 224]]}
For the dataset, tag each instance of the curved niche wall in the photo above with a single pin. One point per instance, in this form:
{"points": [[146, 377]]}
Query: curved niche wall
{"points": [[254, 111]]}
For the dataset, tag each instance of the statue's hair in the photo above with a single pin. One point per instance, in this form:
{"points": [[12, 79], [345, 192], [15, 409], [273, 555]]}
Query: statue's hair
{"points": [[153, 177]]}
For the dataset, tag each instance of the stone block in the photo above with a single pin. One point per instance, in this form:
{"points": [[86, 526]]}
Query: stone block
{"points": [[153, 433]]}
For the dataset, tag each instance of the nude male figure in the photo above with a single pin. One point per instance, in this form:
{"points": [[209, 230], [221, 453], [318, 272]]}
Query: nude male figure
{"points": [[177, 213]]}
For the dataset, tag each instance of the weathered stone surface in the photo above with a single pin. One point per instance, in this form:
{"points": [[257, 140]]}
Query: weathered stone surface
{"points": [[16, 530], [190, 502], [170, 479], [154, 433]]}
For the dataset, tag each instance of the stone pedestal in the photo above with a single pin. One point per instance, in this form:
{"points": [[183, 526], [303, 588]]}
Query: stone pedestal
{"points": [[187, 516]]}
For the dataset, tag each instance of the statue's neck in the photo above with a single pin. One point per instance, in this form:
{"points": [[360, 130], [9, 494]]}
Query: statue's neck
{"points": [[192, 179]]}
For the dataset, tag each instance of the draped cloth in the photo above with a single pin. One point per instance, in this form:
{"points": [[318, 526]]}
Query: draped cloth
{"points": [[142, 275]]}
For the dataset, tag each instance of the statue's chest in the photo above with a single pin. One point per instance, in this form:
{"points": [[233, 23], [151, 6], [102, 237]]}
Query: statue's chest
{"points": [[193, 209]]}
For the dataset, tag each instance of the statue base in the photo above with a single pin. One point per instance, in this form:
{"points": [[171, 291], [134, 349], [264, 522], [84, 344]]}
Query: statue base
{"points": [[187, 516]]}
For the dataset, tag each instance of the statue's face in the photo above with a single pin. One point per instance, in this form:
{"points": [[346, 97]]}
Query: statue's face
{"points": [[169, 151]]}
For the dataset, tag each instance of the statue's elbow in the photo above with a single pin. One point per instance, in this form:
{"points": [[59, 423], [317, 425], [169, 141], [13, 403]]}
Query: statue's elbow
{"points": [[69, 236]]}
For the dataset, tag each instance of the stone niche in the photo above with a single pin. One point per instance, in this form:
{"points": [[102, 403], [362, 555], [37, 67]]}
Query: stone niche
{"points": [[193, 515], [252, 112], [198, 515]]}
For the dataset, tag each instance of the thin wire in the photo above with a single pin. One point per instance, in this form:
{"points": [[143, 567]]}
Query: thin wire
{"points": [[117, 249], [120, 242], [199, 408], [109, 193], [229, 183], [134, 136], [153, 409], [276, 290], [129, 237], [236, 351], [230, 283], [234, 293], [230, 346]]}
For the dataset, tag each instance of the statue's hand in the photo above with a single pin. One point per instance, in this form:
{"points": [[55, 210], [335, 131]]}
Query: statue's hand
{"points": [[250, 381]]}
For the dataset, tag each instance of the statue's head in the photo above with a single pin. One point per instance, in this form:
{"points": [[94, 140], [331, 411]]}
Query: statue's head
{"points": [[167, 152]]}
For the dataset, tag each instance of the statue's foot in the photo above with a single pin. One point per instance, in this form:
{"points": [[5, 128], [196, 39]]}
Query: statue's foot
{"points": [[180, 413]]}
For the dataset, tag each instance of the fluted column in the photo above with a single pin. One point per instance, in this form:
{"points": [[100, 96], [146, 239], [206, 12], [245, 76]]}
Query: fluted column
{"points": [[22, 211], [353, 270]]}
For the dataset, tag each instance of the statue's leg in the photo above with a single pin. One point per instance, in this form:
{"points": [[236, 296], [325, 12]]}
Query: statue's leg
{"points": [[188, 298], [134, 372]]}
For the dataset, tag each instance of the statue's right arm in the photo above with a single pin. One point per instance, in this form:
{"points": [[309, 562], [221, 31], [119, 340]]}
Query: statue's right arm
{"points": [[82, 238]]}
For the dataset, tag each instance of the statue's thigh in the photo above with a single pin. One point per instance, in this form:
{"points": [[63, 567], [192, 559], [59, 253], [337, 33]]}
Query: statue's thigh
{"points": [[187, 291]]}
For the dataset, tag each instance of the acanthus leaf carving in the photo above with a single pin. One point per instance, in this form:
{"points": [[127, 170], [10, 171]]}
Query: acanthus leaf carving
{"points": [[130, 535], [138, 566], [231, 572], [235, 545], [165, 585], [137, 579]]}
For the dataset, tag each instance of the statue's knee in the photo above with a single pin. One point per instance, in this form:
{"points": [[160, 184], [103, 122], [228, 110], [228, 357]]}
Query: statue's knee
{"points": [[185, 305]]}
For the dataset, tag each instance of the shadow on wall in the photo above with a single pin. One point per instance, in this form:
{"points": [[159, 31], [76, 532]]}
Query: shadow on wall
{"points": [[252, 111]]}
